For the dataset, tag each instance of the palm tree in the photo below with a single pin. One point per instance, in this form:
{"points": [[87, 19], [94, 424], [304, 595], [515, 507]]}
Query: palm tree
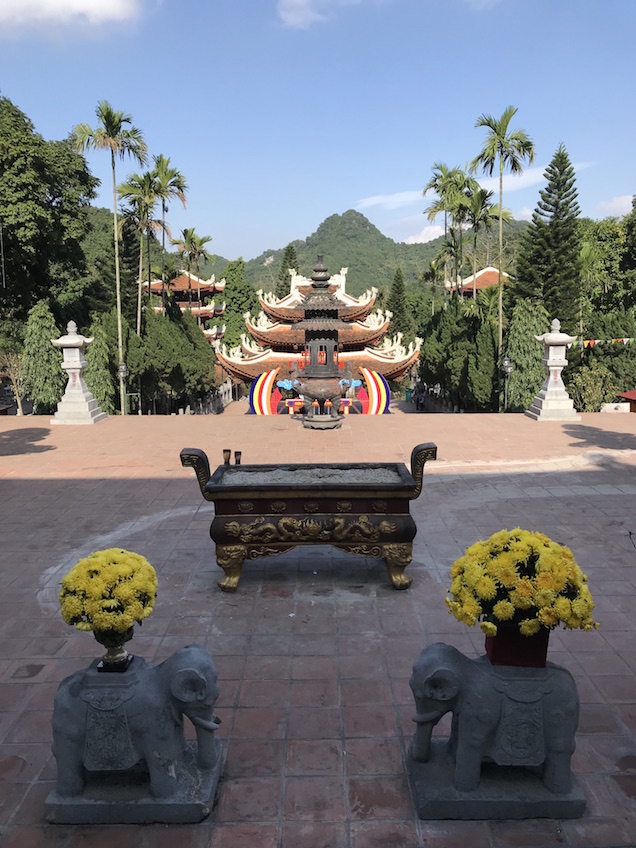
{"points": [[481, 215], [510, 148], [139, 191], [443, 183], [191, 248], [169, 182], [112, 134]]}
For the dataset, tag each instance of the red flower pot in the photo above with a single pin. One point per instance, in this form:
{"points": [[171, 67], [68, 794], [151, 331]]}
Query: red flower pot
{"points": [[510, 647]]}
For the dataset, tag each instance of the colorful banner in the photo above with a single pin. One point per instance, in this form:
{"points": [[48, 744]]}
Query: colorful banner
{"points": [[261, 393], [378, 389], [584, 344]]}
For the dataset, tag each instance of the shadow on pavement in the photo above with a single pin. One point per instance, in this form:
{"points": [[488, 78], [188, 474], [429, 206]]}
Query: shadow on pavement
{"points": [[594, 437], [14, 442]]}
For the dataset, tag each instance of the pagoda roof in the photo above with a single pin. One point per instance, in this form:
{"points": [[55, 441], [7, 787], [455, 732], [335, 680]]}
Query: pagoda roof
{"points": [[288, 337], [210, 310], [392, 360], [484, 279], [180, 284]]}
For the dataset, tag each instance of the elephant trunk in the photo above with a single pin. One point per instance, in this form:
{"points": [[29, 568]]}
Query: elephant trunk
{"points": [[421, 744], [207, 745]]}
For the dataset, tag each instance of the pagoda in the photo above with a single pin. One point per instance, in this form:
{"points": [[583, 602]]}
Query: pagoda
{"points": [[278, 336], [184, 289]]}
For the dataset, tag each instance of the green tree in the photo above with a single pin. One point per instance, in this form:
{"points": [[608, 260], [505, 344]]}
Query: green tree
{"points": [[99, 373], [480, 215], [628, 259], [120, 140], [508, 148], [43, 373], [549, 264], [12, 366], [289, 260], [482, 369], [45, 189], [401, 321], [525, 352], [139, 191], [169, 183], [592, 386], [240, 298], [191, 247]]}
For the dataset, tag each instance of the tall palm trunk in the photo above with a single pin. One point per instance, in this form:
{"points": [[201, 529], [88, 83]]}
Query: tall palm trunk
{"points": [[474, 262], [189, 291], [163, 256], [140, 282], [500, 314], [148, 260], [120, 344]]}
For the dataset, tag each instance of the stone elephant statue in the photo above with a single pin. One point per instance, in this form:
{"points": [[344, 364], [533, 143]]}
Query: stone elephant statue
{"points": [[111, 722], [509, 715]]}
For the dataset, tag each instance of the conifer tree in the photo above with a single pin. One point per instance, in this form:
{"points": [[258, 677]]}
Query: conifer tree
{"points": [[239, 298], [43, 363], [401, 321], [99, 373], [289, 260], [548, 265], [482, 369], [525, 353]]}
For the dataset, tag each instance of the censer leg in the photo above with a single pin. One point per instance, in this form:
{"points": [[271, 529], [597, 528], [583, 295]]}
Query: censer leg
{"points": [[230, 559], [397, 557]]}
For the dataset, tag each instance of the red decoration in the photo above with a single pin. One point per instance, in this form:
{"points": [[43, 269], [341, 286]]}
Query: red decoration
{"points": [[510, 647], [363, 397]]}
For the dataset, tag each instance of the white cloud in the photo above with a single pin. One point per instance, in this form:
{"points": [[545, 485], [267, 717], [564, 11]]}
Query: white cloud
{"points": [[513, 182], [617, 206], [429, 233], [16, 13], [523, 214], [301, 14], [390, 201]]}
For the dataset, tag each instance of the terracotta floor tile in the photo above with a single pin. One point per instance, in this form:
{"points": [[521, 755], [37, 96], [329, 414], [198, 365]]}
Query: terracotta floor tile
{"points": [[314, 835], [369, 721], [370, 756], [249, 800], [264, 693], [259, 723], [457, 834], [314, 723], [254, 758], [170, 835], [245, 836], [314, 758], [314, 693], [381, 834], [314, 799], [379, 797], [357, 692]]}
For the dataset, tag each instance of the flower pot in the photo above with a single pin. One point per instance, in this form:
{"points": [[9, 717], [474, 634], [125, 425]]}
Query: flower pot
{"points": [[116, 657], [510, 647]]}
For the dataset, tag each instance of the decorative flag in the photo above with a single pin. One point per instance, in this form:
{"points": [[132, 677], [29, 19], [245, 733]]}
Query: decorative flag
{"points": [[378, 389], [261, 393]]}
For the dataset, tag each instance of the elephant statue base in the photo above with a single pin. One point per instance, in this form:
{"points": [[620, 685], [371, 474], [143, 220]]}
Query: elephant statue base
{"points": [[511, 741], [120, 747]]}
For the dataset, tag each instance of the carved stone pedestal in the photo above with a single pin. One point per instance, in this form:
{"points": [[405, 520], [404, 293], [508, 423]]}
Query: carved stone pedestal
{"points": [[504, 792]]}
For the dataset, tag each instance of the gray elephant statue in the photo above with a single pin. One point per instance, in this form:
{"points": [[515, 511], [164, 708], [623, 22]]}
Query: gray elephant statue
{"points": [[509, 715], [112, 722]]}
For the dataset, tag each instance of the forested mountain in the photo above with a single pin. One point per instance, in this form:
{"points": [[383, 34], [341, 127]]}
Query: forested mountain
{"points": [[352, 241]]}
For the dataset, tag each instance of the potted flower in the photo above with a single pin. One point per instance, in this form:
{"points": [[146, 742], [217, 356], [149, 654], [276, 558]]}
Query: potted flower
{"points": [[107, 592], [519, 585]]}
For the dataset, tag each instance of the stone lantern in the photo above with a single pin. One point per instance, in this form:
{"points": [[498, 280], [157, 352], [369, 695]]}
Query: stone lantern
{"points": [[78, 406], [553, 402]]}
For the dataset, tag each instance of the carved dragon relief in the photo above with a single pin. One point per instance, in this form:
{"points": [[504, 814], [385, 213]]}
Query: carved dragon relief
{"points": [[309, 529]]}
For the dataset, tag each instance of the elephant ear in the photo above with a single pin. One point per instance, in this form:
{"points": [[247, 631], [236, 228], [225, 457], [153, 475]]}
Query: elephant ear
{"points": [[188, 685], [442, 685]]}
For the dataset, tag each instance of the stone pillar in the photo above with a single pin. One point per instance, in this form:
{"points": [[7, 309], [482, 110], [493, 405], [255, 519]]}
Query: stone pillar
{"points": [[78, 406], [553, 402]]}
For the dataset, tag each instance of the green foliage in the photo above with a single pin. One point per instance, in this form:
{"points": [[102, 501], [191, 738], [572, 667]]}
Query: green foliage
{"points": [[239, 298], [401, 322], [350, 240], [628, 259], [591, 386], [44, 189], [289, 260], [445, 353], [100, 368], [525, 353], [43, 373], [482, 369], [549, 265]]}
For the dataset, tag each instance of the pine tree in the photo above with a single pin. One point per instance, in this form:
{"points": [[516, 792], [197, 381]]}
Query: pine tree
{"points": [[289, 260], [99, 374], [482, 370], [548, 265], [525, 353], [43, 372], [240, 298], [401, 321]]}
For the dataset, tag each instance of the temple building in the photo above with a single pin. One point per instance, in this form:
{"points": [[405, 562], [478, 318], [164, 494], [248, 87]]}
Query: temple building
{"points": [[277, 336], [181, 286]]}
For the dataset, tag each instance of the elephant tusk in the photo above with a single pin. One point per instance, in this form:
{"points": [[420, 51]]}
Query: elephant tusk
{"points": [[423, 718], [206, 725]]}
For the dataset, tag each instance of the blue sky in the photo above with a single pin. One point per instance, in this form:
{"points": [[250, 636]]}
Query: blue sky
{"points": [[282, 112]]}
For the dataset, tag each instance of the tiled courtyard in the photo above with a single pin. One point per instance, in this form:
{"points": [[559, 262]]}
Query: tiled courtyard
{"points": [[315, 650]]}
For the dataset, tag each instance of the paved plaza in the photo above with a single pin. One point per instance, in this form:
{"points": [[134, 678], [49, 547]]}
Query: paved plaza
{"points": [[315, 650]]}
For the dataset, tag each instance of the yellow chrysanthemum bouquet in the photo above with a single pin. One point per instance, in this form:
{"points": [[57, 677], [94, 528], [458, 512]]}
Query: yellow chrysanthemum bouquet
{"points": [[520, 578], [108, 591]]}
